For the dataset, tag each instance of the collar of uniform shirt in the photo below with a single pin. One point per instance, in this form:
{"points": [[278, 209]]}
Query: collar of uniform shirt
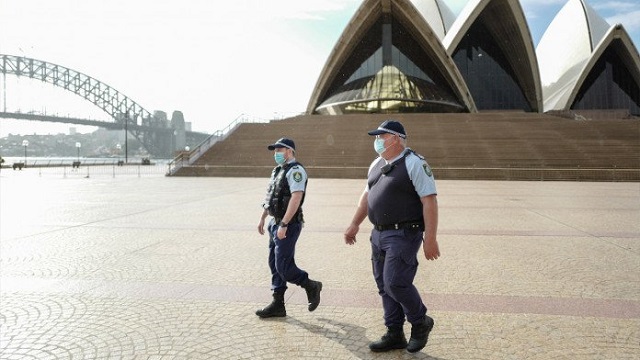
{"points": [[397, 157]]}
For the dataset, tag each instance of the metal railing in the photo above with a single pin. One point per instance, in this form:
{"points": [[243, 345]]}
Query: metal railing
{"points": [[95, 170], [187, 158]]}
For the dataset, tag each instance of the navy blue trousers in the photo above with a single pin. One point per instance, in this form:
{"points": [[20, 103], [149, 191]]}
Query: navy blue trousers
{"points": [[395, 262], [282, 258]]}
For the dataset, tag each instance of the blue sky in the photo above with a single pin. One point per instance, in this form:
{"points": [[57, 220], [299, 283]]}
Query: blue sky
{"points": [[539, 14], [214, 61]]}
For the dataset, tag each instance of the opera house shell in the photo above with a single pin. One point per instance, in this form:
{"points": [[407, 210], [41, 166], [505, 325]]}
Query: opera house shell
{"points": [[408, 56], [585, 63]]}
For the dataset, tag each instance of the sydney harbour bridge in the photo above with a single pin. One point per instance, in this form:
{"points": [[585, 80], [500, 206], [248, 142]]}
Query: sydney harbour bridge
{"points": [[159, 136]]}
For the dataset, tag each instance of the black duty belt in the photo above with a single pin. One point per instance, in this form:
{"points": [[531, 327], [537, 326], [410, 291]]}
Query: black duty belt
{"points": [[298, 218], [278, 221], [413, 225]]}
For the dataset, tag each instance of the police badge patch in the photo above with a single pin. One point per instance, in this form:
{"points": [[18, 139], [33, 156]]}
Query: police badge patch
{"points": [[427, 169], [297, 176]]}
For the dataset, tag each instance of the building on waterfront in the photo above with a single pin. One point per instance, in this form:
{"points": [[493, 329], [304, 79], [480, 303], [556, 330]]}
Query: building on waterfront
{"points": [[407, 56]]}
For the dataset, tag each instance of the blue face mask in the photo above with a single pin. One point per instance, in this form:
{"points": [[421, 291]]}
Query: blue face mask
{"points": [[279, 158], [378, 145]]}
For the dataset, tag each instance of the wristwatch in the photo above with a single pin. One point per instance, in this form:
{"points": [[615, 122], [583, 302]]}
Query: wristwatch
{"points": [[283, 224]]}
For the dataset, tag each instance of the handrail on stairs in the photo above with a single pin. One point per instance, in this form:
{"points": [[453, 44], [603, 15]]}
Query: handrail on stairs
{"points": [[187, 158]]}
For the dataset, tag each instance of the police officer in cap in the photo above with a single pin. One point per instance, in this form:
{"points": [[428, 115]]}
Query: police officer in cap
{"points": [[285, 196], [400, 201]]}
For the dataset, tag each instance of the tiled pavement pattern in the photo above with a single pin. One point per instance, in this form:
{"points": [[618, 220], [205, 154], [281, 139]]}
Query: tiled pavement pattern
{"points": [[173, 268]]}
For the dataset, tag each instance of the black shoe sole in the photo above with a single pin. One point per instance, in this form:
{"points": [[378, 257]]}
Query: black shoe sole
{"points": [[314, 305], [415, 350], [266, 316], [422, 346], [398, 347]]}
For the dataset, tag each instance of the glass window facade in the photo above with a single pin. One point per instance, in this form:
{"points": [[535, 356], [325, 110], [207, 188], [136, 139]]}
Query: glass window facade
{"points": [[487, 72], [387, 73], [609, 85]]}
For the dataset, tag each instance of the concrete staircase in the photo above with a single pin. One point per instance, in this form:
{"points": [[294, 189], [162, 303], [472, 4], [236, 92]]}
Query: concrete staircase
{"points": [[491, 145]]}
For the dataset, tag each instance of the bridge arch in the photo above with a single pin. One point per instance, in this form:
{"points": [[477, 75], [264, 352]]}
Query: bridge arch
{"points": [[114, 103], [155, 133]]}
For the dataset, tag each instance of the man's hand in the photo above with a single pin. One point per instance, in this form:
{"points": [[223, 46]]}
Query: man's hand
{"points": [[350, 234], [431, 249], [430, 215], [358, 217], [261, 226], [282, 232]]}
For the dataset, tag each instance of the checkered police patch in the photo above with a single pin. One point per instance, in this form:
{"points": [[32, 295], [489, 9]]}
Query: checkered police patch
{"points": [[427, 169], [297, 176]]}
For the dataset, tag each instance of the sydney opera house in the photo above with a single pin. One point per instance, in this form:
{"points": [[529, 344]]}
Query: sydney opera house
{"points": [[478, 99], [416, 56]]}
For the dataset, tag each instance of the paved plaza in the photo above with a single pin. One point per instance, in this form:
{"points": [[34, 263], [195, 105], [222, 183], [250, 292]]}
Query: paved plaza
{"points": [[142, 266]]}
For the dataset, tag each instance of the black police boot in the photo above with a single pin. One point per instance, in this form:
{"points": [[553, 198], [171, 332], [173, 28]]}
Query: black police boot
{"points": [[420, 334], [313, 289], [275, 309], [394, 339]]}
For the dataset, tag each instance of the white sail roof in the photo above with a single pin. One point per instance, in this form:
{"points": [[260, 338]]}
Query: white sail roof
{"points": [[564, 50], [437, 14]]}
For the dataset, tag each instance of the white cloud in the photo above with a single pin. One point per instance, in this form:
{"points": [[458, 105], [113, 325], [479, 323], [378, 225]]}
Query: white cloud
{"points": [[625, 12], [308, 9], [616, 6], [212, 60], [542, 2], [630, 20]]}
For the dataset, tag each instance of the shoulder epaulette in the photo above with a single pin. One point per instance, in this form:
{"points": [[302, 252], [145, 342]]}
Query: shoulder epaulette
{"points": [[416, 154]]}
